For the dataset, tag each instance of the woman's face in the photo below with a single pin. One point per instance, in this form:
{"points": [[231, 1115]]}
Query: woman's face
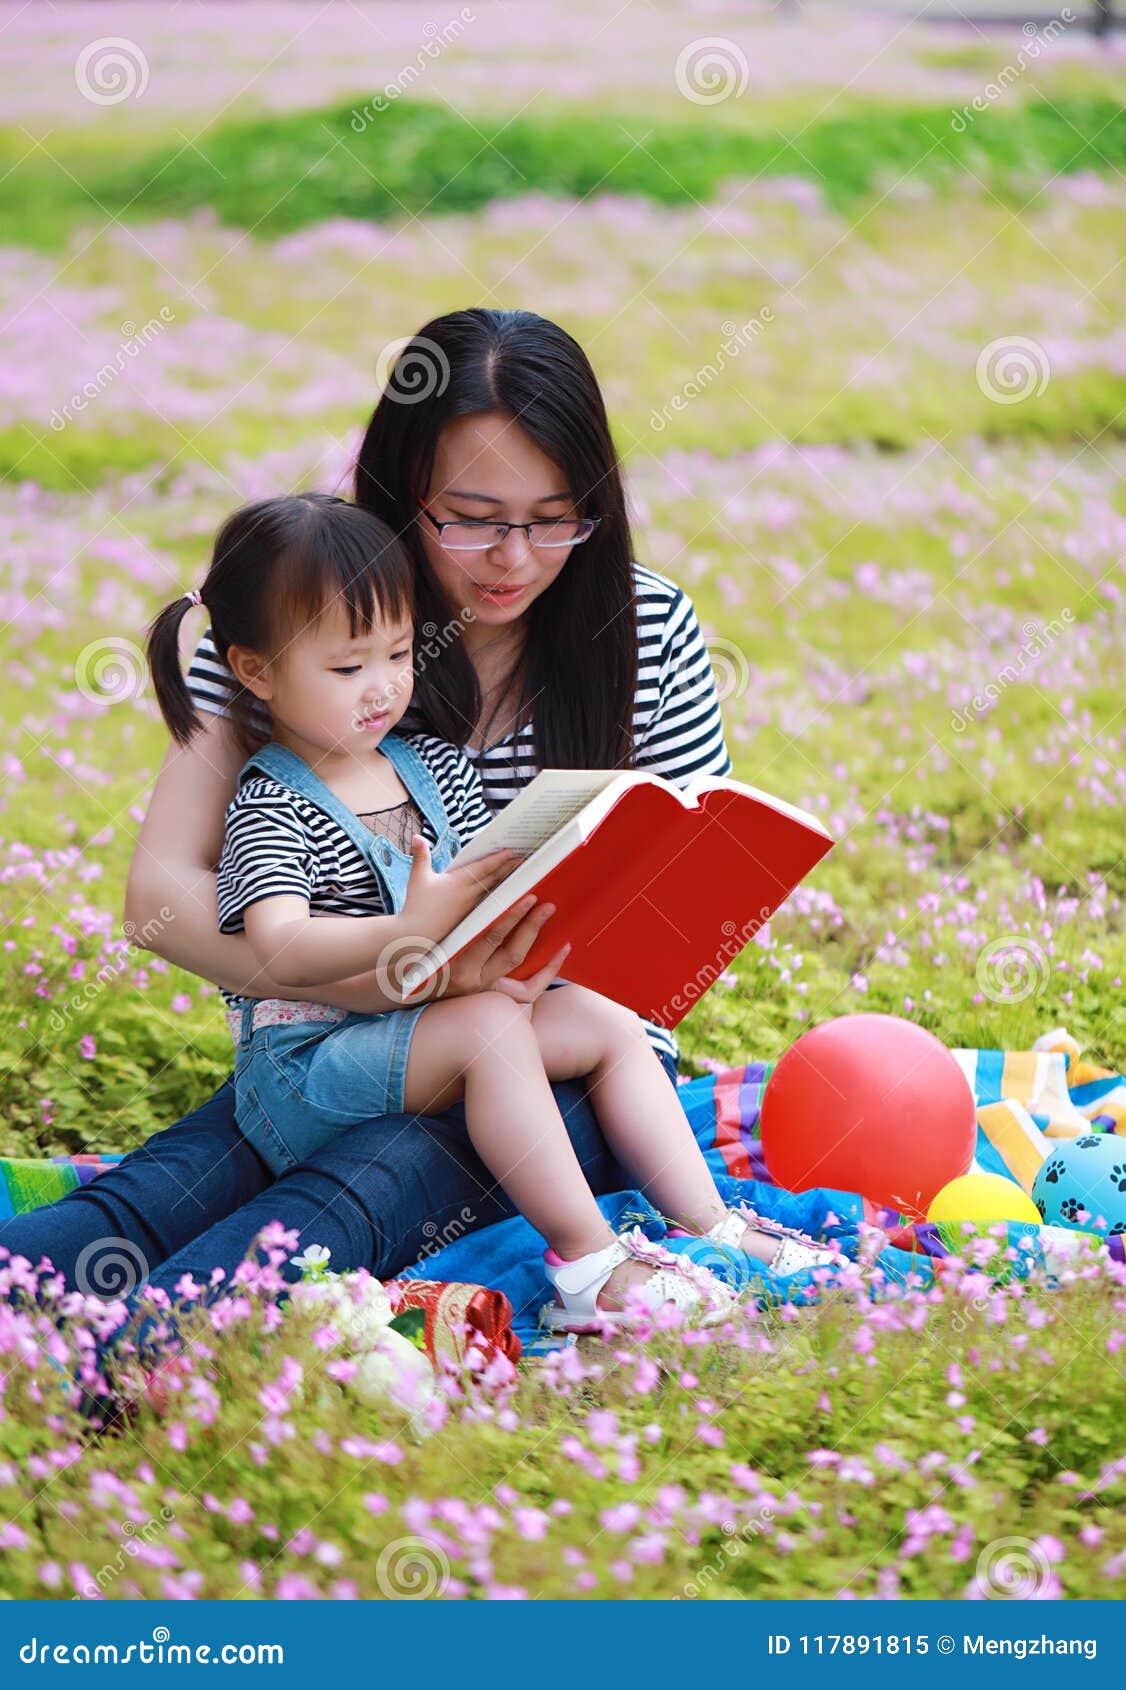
{"points": [[486, 469]]}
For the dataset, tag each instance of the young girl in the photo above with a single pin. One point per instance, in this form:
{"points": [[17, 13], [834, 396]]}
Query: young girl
{"points": [[339, 857]]}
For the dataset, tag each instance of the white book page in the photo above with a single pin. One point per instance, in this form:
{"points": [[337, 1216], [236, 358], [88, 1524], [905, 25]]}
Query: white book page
{"points": [[547, 803]]}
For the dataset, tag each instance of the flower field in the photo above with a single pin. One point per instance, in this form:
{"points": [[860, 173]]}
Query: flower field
{"points": [[866, 370]]}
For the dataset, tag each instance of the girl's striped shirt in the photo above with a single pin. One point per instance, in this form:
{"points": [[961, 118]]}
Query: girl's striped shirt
{"points": [[275, 841], [677, 725]]}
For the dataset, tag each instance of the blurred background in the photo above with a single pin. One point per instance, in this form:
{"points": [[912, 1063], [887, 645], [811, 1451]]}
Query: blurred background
{"points": [[852, 280]]}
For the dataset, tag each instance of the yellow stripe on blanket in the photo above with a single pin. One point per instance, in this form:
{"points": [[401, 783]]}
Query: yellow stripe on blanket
{"points": [[1016, 1138]]}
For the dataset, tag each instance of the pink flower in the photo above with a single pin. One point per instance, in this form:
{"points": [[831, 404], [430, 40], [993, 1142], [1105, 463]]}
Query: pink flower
{"points": [[180, 1004], [87, 1047]]}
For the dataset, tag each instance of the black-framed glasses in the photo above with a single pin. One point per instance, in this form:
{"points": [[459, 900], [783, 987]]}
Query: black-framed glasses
{"points": [[479, 536]]}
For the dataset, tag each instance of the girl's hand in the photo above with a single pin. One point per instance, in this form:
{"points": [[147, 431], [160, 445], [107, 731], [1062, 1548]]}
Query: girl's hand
{"points": [[436, 901], [486, 964]]}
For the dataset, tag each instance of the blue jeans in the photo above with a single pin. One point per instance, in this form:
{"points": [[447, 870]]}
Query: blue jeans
{"points": [[195, 1196]]}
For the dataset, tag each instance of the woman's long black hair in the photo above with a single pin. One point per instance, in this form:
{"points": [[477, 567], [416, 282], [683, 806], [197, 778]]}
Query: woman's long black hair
{"points": [[578, 676]]}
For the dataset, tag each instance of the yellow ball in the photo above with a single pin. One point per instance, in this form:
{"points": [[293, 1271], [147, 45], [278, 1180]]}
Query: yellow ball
{"points": [[983, 1198]]}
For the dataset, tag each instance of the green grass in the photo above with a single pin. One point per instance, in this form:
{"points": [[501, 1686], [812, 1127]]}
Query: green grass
{"points": [[279, 173]]}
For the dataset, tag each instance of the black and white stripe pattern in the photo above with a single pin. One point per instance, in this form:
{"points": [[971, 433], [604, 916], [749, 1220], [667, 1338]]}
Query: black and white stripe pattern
{"points": [[677, 725], [276, 842]]}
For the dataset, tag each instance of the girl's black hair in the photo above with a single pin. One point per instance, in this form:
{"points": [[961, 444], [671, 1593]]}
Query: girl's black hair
{"points": [[577, 678], [276, 568]]}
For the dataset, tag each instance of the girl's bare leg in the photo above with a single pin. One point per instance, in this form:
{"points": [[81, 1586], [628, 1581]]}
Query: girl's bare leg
{"points": [[483, 1048], [583, 1033]]}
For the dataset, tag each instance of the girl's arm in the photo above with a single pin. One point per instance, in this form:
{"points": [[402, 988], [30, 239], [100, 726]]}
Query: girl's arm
{"points": [[300, 950], [170, 897], [265, 882]]}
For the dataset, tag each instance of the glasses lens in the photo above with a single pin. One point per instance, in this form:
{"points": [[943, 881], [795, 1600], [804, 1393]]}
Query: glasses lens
{"points": [[567, 533], [470, 536]]}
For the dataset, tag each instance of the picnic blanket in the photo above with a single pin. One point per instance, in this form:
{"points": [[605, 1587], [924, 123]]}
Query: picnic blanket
{"points": [[1025, 1100]]}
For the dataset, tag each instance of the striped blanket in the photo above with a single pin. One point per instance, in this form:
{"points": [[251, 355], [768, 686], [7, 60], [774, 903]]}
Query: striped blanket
{"points": [[1025, 1100]]}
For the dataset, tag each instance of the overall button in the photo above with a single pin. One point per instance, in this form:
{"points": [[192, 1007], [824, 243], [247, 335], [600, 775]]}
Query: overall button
{"points": [[384, 854]]}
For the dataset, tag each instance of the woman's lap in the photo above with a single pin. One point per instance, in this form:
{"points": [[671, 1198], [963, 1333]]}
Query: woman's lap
{"points": [[195, 1196], [381, 1194], [174, 1186]]}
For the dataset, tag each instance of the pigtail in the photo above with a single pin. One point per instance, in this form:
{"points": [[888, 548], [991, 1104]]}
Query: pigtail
{"points": [[163, 653]]}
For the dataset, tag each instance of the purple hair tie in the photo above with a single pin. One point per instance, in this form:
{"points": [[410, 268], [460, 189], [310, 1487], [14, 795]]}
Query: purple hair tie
{"points": [[195, 596]]}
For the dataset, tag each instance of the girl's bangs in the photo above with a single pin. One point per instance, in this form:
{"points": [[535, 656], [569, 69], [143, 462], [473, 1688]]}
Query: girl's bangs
{"points": [[370, 584]]}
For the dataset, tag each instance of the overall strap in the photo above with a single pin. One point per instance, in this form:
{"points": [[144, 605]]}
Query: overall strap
{"points": [[284, 765], [417, 777]]}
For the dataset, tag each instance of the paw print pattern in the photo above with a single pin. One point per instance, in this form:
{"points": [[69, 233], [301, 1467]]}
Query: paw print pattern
{"points": [[1118, 1227], [1118, 1175], [1041, 1207], [1053, 1171], [1088, 1143], [1069, 1208]]}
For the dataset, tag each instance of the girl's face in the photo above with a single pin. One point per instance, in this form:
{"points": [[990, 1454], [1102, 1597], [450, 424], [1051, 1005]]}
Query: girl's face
{"points": [[487, 470], [330, 692]]}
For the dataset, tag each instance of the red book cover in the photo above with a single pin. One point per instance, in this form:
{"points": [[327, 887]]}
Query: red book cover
{"points": [[661, 896]]}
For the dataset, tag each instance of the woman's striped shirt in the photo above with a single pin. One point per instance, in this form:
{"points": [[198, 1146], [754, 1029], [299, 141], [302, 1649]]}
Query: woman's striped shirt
{"points": [[677, 725]]}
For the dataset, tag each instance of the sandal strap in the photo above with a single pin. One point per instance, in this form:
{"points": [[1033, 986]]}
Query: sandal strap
{"points": [[796, 1252], [583, 1273]]}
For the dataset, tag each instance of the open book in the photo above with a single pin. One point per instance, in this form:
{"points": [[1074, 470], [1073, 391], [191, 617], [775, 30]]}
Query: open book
{"points": [[656, 887]]}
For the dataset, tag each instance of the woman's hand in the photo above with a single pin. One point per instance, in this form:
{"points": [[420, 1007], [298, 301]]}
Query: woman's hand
{"points": [[486, 964]]}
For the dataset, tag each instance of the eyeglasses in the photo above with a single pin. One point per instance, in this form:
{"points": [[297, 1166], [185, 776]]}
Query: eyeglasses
{"points": [[479, 536]]}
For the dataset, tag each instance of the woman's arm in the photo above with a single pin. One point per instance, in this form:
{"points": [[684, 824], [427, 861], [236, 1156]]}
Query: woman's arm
{"points": [[171, 906], [170, 899]]}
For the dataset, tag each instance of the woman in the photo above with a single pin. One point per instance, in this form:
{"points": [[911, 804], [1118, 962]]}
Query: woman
{"points": [[540, 644]]}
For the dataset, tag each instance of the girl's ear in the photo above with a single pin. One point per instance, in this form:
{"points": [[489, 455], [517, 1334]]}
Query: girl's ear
{"points": [[250, 670]]}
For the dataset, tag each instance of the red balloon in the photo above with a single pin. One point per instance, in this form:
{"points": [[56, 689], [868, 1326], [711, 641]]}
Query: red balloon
{"points": [[869, 1103]]}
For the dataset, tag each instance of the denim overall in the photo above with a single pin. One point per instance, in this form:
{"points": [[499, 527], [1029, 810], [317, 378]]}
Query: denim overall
{"points": [[301, 1081]]}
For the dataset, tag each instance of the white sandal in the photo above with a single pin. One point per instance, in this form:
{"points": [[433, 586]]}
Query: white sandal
{"points": [[797, 1252], [675, 1279]]}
